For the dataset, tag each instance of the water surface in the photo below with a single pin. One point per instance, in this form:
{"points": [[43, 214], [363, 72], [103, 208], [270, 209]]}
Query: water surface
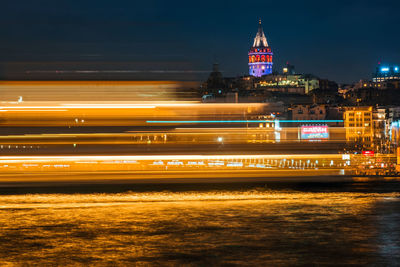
{"points": [[244, 225]]}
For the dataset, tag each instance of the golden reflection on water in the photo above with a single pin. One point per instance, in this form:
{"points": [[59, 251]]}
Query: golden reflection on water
{"points": [[167, 228]]}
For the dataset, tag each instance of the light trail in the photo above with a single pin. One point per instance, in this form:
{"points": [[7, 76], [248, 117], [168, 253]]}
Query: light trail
{"points": [[33, 110], [239, 135], [21, 108], [248, 121], [191, 165], [167, 157]]}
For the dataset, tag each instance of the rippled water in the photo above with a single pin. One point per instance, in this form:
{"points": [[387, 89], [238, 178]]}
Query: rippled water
{"points": [[209, 227]]}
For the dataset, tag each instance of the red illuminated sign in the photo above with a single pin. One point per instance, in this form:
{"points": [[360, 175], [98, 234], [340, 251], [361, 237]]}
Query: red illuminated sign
{"points": [[368, 153]]}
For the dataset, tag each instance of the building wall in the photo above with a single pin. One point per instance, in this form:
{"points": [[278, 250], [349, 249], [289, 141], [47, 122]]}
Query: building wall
{"points": [[358, 122], [308, 112], [310, 85], [384, 73], [287, 83]]}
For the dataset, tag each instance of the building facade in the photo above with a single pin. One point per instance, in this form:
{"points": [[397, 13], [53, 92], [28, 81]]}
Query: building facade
{"points": [[260, 55], [358, 122], [384, 73], [308, 112], [288, 83]]}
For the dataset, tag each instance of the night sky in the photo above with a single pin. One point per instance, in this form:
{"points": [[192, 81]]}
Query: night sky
{"points": [[338, 40]]}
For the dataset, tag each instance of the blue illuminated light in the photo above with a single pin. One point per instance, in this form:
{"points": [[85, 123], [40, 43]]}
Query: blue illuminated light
{"points": [[396, 68], [249, 121], [385, 69]]}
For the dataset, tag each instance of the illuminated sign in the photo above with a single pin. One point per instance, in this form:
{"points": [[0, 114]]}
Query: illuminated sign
{"points": [[384, 69], [368, 153], [314, 132]]}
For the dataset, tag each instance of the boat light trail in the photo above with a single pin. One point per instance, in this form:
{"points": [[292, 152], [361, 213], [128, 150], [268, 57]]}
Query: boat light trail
{"points": [[250, 121]]}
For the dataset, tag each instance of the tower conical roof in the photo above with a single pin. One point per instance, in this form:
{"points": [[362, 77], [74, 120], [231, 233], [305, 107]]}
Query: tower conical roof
{"points": [[260, 40]]}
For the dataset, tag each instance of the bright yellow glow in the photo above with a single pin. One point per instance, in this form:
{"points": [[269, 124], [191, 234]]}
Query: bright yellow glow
{"points": [[169, 157]]}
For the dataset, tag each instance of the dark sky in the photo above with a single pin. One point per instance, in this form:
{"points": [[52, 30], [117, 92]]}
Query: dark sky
{"points": [[338, 40]]}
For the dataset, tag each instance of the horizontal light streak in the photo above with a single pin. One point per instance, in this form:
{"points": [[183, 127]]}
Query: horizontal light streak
{"points": [[249, 121], [33, 110], [108, 106], [166, 157], [26, 108], [151, 105]]}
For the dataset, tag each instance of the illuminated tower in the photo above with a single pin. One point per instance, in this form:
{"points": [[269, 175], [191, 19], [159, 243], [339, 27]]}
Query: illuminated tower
{"points": [[260, 55]]}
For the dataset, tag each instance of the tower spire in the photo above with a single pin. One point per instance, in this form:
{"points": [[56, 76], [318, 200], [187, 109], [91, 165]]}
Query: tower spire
{"points": [[260, 40], [260, 54]]}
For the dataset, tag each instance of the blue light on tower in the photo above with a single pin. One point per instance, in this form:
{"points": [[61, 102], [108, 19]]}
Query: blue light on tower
{"points": [[260, 55]]}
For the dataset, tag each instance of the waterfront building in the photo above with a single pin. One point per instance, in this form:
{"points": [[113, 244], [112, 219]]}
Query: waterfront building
{"points": [[386, 126], [395, 134], [381, 125], [260, 55], [359, 126], [370, 126]]}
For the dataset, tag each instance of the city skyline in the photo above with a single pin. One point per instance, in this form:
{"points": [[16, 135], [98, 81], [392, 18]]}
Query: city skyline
{"points": [[337, 41], [182, 133]]}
